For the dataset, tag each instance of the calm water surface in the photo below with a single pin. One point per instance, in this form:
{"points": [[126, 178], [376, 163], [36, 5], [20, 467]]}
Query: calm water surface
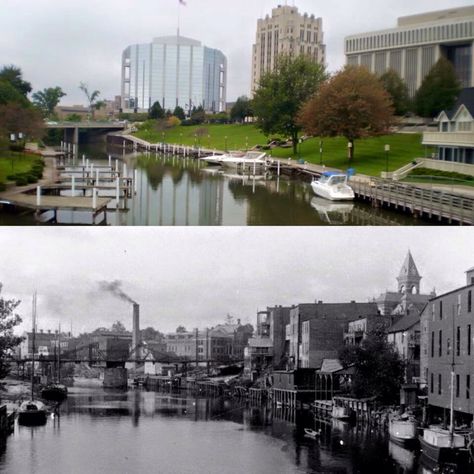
{"points": [[106, 432], [184, 192]]}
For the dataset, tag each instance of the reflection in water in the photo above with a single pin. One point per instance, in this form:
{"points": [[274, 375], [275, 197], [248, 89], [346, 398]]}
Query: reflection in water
{"points": [[181, 191], [140, 431]]}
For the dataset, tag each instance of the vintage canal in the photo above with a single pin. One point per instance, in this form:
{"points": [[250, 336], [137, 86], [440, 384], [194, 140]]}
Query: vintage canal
{"points": [[144, 431], [172, 191]]}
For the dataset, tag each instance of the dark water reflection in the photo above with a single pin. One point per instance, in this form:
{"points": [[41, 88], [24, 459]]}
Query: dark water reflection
{"points": [[184, 192], [138, 431]]}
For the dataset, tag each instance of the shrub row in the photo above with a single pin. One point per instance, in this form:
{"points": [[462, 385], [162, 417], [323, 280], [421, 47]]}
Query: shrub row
{"points": [[444, 174], [31, 176]]}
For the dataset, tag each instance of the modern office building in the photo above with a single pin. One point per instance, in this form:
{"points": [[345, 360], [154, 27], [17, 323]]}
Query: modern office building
{"points": [[286, 31], [416, 44], [173, 70]]}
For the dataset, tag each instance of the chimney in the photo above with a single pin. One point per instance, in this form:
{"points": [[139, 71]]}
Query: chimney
{"points": [[136, 332]]}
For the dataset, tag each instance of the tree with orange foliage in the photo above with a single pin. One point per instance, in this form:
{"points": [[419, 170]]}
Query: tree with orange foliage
{"points": [[353, 103]]}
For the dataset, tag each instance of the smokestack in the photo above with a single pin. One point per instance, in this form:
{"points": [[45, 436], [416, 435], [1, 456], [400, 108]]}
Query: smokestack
{"points": [[136, 332]]}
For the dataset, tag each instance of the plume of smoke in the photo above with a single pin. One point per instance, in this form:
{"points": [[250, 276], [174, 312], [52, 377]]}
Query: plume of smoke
{"points": [[114, 287]]}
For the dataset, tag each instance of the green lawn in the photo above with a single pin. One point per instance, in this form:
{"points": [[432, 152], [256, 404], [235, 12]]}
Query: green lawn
{"points": [[369, 153], [434, 180], [13, 162]]}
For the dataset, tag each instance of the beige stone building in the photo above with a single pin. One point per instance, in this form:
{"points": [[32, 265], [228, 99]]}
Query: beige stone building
{"points": [[286, 31], [418, 41]]}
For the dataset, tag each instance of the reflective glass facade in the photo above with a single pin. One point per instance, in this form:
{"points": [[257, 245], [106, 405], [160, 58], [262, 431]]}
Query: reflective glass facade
{"points": [[173, 71]]}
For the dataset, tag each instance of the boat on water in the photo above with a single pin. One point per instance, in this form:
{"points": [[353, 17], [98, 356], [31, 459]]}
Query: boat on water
{"points": [[248, 162], [54, 392], [312, 433], [333, 186], [403, 431], [443, 447], [32, 412]]}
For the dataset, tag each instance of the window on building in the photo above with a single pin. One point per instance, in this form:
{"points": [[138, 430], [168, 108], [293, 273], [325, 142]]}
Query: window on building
{"points": [[448, 346], [458, 341], [440, 310], [432, 343], [440, 343], [439, 384], [469, 338], [468, 386], [432, 382], [457, 385], [469, 301]]}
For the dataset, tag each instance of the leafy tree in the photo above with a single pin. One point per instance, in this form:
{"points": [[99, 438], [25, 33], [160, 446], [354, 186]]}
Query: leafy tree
{"points": [[282, 93], [352, 104], [92, 98], [15, 118], [241, 109], [180, 329], [179, 112], [118, 327], [198, 115], [156, 111], [74, 118], [398, 91], [378, 368], [8, 341], [438, 91], [151, 334], [47, 99], [8, 94], [13, 75]]}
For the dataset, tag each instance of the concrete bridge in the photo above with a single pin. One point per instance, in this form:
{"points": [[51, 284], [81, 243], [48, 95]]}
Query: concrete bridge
{"points": [[72, 129]]}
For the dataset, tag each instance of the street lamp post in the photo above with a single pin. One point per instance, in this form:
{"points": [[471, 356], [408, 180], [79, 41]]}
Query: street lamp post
{"points": [[349, 150], [387, 150], [321, 153]]}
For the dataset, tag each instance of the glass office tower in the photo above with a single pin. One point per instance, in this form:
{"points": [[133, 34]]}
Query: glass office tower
{"points": [[173, 70]]}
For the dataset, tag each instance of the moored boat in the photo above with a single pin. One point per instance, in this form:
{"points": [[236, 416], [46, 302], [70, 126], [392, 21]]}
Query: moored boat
{"points": [[403, 432], [32, 412], [443, 446], [249, 161], [54, 392], [312, 433], [333, 186]]}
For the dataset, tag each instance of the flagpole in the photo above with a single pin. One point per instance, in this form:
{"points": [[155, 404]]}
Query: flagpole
{"points": [[177, 54]]}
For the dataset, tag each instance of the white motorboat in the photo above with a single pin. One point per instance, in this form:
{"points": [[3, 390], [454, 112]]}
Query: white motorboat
{"points": [[333, 186], [250, 161]]}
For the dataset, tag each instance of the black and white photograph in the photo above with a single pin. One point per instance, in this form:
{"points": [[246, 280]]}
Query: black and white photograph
{"points": [[236, 237]]}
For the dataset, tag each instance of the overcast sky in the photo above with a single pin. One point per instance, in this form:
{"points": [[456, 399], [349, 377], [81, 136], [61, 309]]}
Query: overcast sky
{"points": [[195, 277], [61, 43]]}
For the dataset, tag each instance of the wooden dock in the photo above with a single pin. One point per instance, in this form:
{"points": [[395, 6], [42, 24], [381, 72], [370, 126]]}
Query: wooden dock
{"points": [[57, 203], [418, 200]]}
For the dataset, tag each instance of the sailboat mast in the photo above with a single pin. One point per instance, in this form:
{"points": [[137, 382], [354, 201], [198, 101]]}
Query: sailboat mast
{"points": [[59, 354], [33, 324]]}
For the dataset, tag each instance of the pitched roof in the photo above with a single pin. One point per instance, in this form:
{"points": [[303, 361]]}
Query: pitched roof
{"points": [[330, 365], [466, 98], [405, 323], [409, 269]]}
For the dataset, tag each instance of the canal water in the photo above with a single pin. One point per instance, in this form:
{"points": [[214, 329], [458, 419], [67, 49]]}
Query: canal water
{"points": [[99, 431], [173, 191]]}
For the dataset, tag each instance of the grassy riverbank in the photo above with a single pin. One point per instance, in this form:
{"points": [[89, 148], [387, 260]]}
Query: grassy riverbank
{"points": [[14, 163], [369, 153]]}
